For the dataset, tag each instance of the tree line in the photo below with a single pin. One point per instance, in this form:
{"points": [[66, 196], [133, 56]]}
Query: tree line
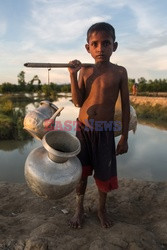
{"points": [[33, 86], [143, 85]]}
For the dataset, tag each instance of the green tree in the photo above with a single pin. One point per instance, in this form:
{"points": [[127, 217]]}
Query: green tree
{"points": [[65, 88], [21, 80], [142, 80], [35, 78], [46, 89]]}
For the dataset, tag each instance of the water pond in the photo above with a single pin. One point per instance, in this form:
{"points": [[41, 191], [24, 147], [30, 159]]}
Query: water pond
{"points": [[146, 158]]}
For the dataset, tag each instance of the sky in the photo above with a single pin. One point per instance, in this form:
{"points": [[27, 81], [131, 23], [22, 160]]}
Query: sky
{"points": [[54, 31]]}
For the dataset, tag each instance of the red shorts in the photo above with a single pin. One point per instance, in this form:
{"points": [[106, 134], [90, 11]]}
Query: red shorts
{"points": [[98, 155]]}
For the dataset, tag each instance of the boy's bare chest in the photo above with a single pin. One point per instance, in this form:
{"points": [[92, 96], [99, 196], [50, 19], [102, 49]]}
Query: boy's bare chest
{"points": [[102, 83]]}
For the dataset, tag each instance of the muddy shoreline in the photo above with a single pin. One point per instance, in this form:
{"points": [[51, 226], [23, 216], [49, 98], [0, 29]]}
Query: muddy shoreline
{"points": [[138, 210]]}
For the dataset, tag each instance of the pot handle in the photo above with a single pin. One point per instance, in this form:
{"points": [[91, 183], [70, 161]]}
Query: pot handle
{"points": [[56, 113]]}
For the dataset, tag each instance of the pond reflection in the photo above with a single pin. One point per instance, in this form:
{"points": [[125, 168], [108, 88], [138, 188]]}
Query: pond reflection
{"points": [[31, 106], [147, 155], [146, 158]]}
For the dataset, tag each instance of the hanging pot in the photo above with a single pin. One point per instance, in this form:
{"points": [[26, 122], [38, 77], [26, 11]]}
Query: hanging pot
{"points": [[53, 171]]}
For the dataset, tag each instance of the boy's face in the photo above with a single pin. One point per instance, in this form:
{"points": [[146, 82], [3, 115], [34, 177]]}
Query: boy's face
{"points": [[101, 46]]}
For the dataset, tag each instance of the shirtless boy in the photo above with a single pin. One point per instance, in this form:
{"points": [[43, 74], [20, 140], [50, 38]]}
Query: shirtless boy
{"points": [[96, 92]]}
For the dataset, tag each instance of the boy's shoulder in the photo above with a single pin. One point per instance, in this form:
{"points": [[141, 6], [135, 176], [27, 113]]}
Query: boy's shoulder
{"points": [[119, 68], [120, 71]]}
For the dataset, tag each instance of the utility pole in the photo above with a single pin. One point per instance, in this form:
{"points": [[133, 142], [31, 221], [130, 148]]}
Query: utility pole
{"points": [[48, 76]]}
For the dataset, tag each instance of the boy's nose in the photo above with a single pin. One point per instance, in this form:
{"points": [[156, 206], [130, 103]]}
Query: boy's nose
{"points": [[100, 48]]}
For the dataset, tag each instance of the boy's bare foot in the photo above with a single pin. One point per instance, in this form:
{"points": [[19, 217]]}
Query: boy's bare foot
{"points": [[77, 219], [104, 220]]}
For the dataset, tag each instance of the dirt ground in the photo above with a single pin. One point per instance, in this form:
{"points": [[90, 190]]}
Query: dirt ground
{"points": [[138, 210]]}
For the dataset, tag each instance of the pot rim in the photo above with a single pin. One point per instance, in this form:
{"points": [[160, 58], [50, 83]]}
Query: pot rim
{"points": [[51, 104], [57, 152]]}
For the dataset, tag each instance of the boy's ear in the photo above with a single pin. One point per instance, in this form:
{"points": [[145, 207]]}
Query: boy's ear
{"points": [[87, 47], [115, 46]]}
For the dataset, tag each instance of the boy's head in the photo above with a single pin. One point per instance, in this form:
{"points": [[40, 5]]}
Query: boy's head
{"points": [[102, 26], [101, 41]]}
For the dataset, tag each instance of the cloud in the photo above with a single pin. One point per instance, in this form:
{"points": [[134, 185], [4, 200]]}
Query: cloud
{"points": [[14, 56], [59, 22], [150, 24], [148, 20], [56, 32], [149, 64]]}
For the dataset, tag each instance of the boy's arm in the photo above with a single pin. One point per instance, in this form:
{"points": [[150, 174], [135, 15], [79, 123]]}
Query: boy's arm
{"points": [[122, 146], [77, 86]]}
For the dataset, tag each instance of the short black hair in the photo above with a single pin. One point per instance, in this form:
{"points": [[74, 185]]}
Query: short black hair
{"points": [[101, 26]]}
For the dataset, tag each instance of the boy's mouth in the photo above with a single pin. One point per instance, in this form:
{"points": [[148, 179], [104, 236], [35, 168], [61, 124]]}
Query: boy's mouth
{"points": [[101, 56]]}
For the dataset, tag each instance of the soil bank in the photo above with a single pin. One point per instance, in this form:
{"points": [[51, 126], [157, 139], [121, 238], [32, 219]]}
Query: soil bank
{"points": [[138, 210]]}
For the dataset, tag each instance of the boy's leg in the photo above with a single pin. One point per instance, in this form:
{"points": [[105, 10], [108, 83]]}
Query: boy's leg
{"points": [[77, 219], [102, 214]]}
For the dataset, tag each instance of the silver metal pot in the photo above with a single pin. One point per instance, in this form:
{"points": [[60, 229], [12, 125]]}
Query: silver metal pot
{"points": [[118, 117], [38, 121], [132, 122], [53, 171]]}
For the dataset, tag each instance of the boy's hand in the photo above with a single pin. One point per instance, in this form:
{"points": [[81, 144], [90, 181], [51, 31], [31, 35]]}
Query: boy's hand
{"points": [[122, 147], [76, 68]]}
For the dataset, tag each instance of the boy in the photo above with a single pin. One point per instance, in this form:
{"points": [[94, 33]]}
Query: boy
{"points": [[96, 93]]}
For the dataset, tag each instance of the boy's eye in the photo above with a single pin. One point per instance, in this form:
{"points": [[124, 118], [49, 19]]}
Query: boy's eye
{"points": [[106, 43], [94, 44]]}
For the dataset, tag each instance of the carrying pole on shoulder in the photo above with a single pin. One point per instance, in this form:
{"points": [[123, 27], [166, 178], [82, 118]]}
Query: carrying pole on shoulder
{"points": [[54, 65]]}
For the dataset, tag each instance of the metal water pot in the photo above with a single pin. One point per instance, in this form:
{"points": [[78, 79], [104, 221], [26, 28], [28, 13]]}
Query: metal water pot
{"points": [[40, 120], [53, 171], [118, 117]]}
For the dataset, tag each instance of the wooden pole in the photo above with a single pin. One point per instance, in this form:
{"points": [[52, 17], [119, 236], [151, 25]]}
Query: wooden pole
{"points": [[48, 76], [54, 65]]}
